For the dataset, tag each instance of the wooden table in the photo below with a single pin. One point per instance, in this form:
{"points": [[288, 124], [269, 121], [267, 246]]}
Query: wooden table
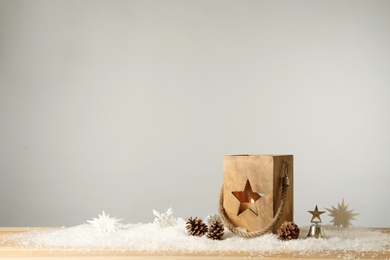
{"points": [[9, 250]]}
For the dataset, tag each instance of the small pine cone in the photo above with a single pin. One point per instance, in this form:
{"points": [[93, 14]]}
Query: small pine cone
{"points": [[196, 227], [215, 231], [288, 230]]}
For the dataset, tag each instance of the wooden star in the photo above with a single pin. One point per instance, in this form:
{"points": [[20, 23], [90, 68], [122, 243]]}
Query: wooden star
{"points": [[247, 198], [342, 217], [316, 215]]}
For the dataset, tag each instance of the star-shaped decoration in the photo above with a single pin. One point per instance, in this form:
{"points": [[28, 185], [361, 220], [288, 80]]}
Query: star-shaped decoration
{"points": [[247, 199], [342, 216], [316, 215], [104, 223]]}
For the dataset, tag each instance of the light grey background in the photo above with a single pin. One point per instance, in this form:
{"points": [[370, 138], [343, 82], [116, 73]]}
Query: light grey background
{"points": [[129, 106]]}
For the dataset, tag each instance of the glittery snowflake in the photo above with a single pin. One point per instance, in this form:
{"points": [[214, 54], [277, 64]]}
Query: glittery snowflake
{"points": [[342, 217], [163, 220], [104, 223]]}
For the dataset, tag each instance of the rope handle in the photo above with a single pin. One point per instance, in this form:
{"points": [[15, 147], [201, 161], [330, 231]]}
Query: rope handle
{"points": [[268, 228]]}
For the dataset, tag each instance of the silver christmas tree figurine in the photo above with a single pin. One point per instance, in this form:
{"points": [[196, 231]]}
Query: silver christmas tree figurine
{"points": [[316, 229]]}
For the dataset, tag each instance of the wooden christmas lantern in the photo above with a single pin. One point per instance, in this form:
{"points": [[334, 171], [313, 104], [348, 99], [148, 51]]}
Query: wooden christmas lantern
{"points": [[257, 193]]}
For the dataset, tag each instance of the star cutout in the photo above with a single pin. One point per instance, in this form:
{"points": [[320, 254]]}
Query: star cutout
{"points": [[247, 198], [316, 214]]}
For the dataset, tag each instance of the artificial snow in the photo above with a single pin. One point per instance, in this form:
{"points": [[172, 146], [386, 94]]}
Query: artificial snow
{"points": [[149, 238]]}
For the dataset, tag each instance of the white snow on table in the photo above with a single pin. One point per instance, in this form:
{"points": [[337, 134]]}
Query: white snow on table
{"points": [[149, 239]]}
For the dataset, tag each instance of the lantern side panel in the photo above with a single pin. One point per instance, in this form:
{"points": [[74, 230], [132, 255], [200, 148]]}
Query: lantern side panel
{"points": [[279, 171]]}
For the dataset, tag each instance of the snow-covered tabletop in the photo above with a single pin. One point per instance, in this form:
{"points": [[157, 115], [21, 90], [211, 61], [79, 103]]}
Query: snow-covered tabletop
{"points": [[147, 239]]}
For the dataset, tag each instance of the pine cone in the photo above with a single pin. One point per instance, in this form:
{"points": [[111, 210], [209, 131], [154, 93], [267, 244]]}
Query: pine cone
{"points": [[288, 230], [196, 227], [215, 231]]}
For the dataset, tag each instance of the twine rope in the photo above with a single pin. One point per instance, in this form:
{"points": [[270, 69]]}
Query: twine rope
{"points": [[266, 229]]}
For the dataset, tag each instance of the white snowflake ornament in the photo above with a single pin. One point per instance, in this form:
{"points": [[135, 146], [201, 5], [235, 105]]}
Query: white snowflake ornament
{"points": [[342, 217], [104, 223], [163, 220]]}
